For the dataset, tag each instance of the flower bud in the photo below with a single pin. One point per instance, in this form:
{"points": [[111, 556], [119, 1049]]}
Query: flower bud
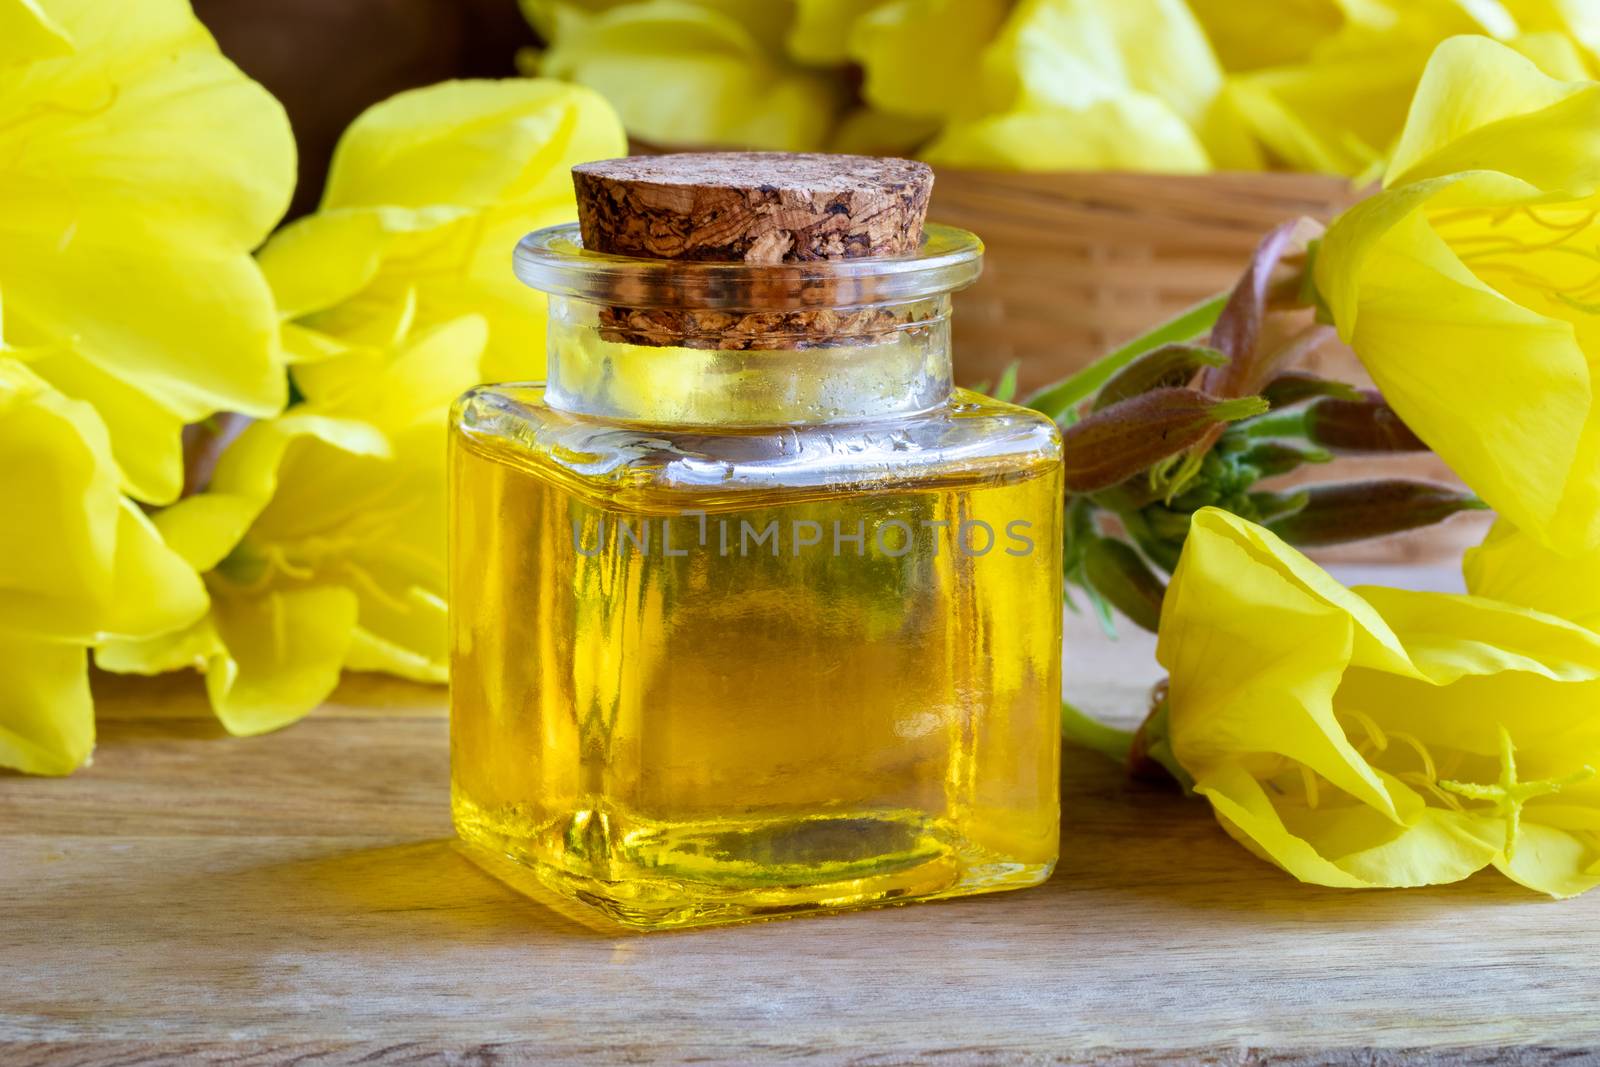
{"points": [[1272, 458], [1119, 574], [1353, 511], [1366, 424], [1294, 386], [1165, 367], [1116, 443]]}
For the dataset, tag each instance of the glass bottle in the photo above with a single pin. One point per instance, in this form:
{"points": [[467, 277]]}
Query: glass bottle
{"points": [[747, 631]]}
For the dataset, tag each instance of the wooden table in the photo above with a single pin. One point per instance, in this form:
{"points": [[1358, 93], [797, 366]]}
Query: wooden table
{"points": [[299, 895]]}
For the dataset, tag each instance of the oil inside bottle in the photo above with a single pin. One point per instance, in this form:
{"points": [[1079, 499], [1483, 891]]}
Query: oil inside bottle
{"points": [[683, 696]]}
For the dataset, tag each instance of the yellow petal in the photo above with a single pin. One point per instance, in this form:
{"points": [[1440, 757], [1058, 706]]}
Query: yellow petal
{"points": [[1511, 566], [1129, 133], [153, 589], [1078, 84], [193, 647], [1070, 53], [1552, 861], [205, 527], [1448, 638], [1256, 641], [46, 712], [79, 561], [58, 552], [384, 258], [866, 131], [283, 653], [27, 33], [419, 381], [252, 465], [1251, 36], [315, 262], [370, 652], [1335, 116], [146, 436], [921, 57], [1555, 54], [471, 144], [1482, 106], [141, 169], [1351, 847], [194, 334], [1274, 668], [685, 74], [820, 35], [144, 136], [1498, 390]]}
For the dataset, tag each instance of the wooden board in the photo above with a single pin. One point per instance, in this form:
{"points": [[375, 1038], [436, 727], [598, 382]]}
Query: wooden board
{"points": [[298, 896]]}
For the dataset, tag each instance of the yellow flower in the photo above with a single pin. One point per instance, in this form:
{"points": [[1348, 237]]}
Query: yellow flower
{"points": [[138, 168], [1470, 286], [693, 72], [78, 562], [1083, 84], [1379, 737], [428, 193], [322, 539]]}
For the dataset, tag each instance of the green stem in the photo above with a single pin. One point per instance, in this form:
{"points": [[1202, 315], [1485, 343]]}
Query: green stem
{"points": [[1059, 400], [1080, 730]]}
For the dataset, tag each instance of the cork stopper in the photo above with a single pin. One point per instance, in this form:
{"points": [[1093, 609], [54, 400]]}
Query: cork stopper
{"points": [[753, 207], [758, 209]]}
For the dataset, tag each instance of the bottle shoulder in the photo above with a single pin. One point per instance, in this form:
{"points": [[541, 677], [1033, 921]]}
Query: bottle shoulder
{"points": [[970, 437]]}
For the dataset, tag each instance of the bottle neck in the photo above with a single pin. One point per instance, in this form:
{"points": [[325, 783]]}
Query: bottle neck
{"points": [[899, 367]]}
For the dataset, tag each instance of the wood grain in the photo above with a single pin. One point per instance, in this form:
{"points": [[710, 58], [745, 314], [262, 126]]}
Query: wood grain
{"points": [[297, 897]]}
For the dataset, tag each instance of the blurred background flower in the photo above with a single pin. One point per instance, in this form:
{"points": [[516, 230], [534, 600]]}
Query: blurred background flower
{"points": [[321, 532], [321, 535]]}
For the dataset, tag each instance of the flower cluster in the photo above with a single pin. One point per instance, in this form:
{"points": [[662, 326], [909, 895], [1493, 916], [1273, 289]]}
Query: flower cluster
{"points": [[289, 540], [1378, 737], [1165, 85], [140, 168]]}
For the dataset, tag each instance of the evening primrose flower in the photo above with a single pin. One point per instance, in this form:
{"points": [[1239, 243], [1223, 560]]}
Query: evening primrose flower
{"points": [[321, 536], [1084, 85], [138, 168], [78, 562], [1380, 737], [428, 192], [693, 73], [1470, 286]]}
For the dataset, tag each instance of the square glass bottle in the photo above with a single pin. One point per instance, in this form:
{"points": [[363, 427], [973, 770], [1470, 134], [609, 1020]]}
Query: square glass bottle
{"points": [[752, 612]]}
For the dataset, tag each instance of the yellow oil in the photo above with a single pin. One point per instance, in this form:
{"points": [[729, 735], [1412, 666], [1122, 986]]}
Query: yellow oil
{"points": [[665, 719]]}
